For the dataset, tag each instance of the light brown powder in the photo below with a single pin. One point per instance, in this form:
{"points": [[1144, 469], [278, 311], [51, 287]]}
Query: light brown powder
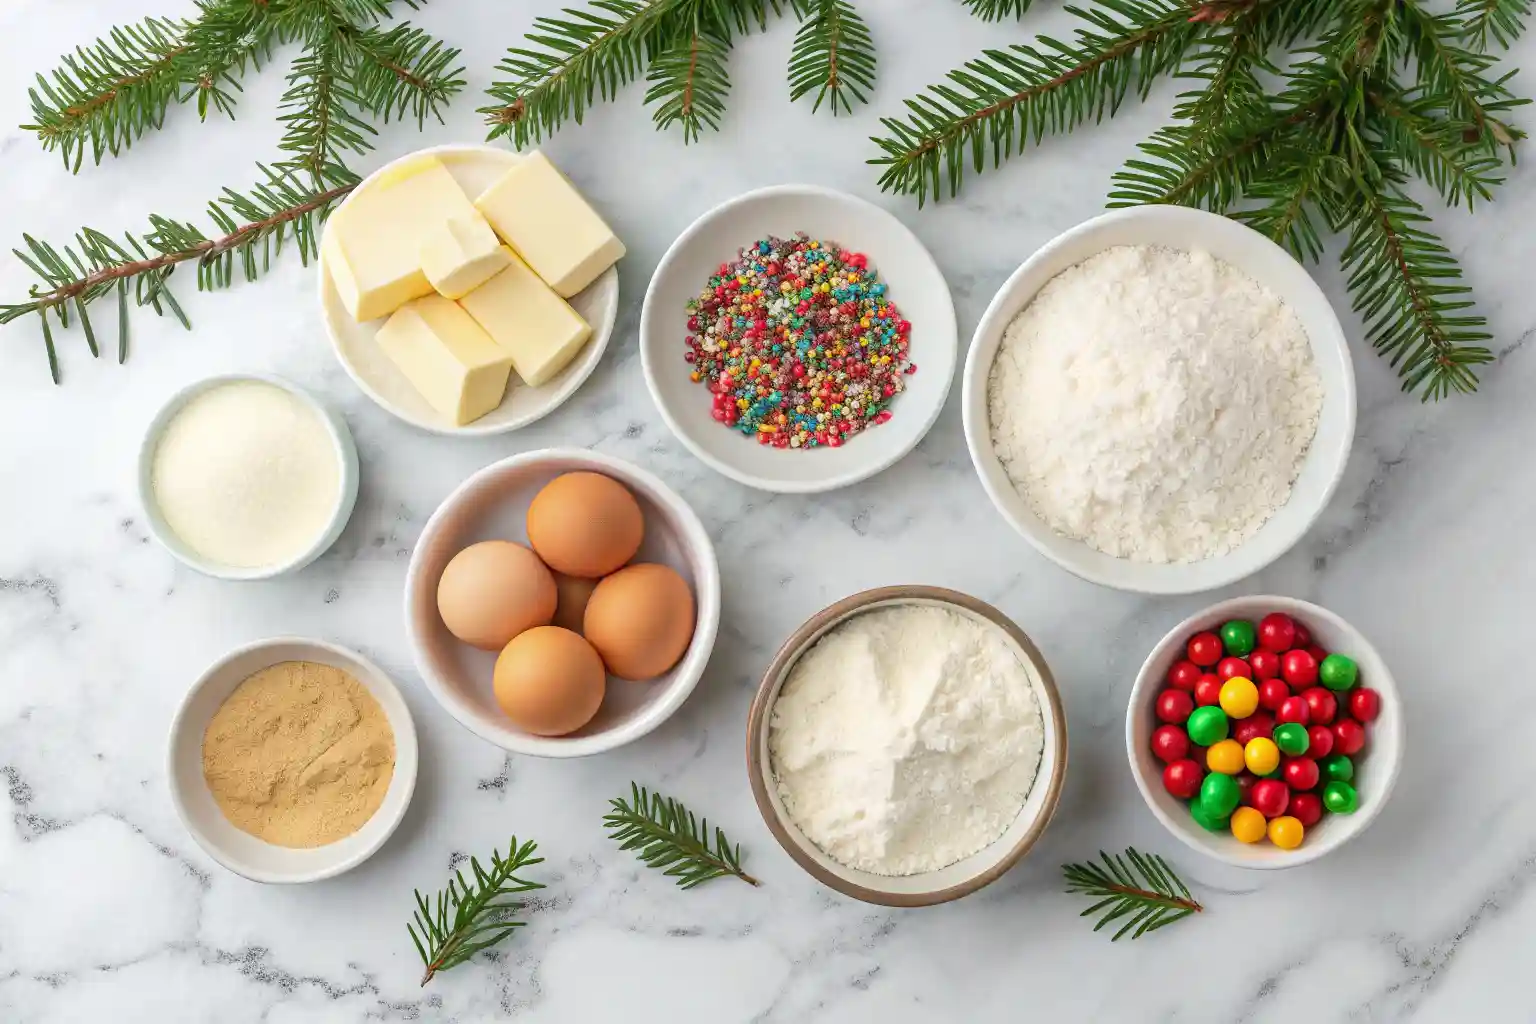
{"points": [[299, 755]]}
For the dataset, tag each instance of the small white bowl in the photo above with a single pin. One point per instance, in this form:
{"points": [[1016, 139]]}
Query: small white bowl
{"points": [[1376, 767], [1177, 227], [916, 287], [242, 852], [966, 876], [493, 505], [476, 168], [346, 457]]}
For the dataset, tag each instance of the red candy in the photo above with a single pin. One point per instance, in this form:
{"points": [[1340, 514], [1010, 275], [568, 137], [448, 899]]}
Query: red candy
{"points": [[1232, 668], [1299, 772], [1277, 632], [1348, 737], [1255, 725], [1273, 693], [1265, 664], [1270, 797], [1245, 781], [1174, 706], [1294, 709], [1208, 690], [1306, 808], [1205, 649], [1318, 653], [1299, 668], [1364, 704], [1321, 702], [1319, 741], [1170, 743], [1184, 675], [1182, 779], [1303, 636]]}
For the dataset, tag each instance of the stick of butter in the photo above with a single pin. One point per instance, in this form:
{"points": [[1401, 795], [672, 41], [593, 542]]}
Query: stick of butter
{"points": [[373, 243], [461, 254], [538, 212], [455, 365], [533, 325]]}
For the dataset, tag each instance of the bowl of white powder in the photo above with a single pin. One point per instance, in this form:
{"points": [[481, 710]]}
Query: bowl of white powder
{"points": [[907, 746], [1160, 400]]}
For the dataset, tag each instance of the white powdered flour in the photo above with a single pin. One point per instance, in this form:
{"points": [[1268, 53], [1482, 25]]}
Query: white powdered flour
{"points": [[1154, 403], [906, 739]]}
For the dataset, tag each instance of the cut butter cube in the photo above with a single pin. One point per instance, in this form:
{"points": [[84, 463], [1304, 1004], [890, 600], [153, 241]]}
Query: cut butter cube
{"points": [[539, 213], [461, 254], [455, 365], [533, 325], [372, 245]]}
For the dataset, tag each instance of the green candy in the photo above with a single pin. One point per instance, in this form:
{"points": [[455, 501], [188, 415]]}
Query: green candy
{"points": [[1239, 637], [1292, 738], [1207, 725], [1338, 672], [1217, 823], [1340, 798], [1219, 795], [1337, 768]]}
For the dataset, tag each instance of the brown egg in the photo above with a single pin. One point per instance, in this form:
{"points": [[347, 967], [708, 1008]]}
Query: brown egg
{"points": [[492, 591], [585, 524], [574, 592], [640, 619], [549, 681]]}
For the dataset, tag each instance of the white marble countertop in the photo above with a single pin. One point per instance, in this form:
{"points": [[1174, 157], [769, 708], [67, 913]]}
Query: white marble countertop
{"points": [[108, 910]]}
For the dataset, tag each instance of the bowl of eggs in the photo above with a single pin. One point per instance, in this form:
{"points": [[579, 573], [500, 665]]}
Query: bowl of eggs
{"points": [[562, 603]]}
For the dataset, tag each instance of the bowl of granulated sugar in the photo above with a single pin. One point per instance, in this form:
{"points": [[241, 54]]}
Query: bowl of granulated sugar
{"points": [[1160, 400], [930, 688]]}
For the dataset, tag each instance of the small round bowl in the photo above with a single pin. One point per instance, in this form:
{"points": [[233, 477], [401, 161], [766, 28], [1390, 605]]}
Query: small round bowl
{"points": [[1378, 764], [916, 287], [476, 168], [493, 505], [1177, 227], [346, 456], [239, 851], [965, 876]]}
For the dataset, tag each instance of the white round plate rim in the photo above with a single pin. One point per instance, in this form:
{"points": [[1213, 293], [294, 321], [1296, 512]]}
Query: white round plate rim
{"points": [[687, 672], [569, 380], [940, 361], [1330, 446]]}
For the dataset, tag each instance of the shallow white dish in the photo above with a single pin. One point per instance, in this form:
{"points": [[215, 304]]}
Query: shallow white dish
{"points": [[239, 851], [1176, 227], [1376, 767], [916, 287], [346, 457], [493, 505], [475, 168]]}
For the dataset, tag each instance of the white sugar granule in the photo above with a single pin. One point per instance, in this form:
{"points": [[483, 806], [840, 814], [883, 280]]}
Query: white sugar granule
{"points": [[906, 739], [1154, 403]]}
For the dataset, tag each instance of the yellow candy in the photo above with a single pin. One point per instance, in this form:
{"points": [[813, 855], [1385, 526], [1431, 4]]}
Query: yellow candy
{"points": [[1239, 697], [1261, 755], [1248, 825], [1286, 832], [1225, 757]]}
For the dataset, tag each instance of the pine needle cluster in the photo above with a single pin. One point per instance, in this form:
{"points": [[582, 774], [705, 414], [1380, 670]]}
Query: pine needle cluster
{"points": [[470, 916], [1137, 890], [1305, 117], [669, 838]]}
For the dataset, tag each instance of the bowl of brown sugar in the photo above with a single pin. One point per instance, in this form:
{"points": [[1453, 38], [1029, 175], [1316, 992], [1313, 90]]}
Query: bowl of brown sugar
{"points": [[292, 760]]}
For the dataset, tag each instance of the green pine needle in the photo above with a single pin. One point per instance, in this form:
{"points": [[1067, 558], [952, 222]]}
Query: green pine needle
{"points": [[997, 10], [1138, 890], [1500, 21], [688, 80], [466, 917], [833, 55], [669, 838]]}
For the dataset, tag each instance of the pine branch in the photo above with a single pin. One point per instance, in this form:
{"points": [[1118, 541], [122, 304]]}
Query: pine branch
{"points": [[669, 837], [319, 107], [1502, 21], [1453, 78], [1001, 100], [1408, 130], [1288, 194], [1141, 888], [997, 10], [466, 918], [689, 80], [403, 71], [834, 55], [226, 37]]}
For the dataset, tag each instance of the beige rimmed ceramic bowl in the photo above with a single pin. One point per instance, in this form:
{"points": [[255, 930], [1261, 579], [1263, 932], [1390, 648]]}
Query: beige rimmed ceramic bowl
{"points": [[965, 876]]}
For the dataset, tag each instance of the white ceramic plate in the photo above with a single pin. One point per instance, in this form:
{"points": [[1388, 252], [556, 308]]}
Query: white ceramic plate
{"points": [[475, 168], [1376, 767], [916, 287], [493, 505], [1180, 228], [239, 851]]}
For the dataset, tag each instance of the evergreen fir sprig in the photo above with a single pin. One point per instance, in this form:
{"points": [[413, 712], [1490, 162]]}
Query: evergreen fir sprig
{"points": [[468, 917], [1137, 889], [997, 10], [669, 838], [688, 80], [1499, 21], [833, 55]]}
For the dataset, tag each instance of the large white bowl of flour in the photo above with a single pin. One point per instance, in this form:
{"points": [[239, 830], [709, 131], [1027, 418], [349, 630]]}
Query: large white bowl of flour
{"points": [[1102, 459]]}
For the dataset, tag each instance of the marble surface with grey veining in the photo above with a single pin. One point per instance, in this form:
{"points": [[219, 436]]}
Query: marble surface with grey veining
{"points": [[109, 912]]}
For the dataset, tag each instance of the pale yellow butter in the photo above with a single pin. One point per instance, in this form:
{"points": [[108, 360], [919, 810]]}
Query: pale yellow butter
{"points": [[455, 365], [373, 244], [461, 254], [538, 212], [533, 325]]}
